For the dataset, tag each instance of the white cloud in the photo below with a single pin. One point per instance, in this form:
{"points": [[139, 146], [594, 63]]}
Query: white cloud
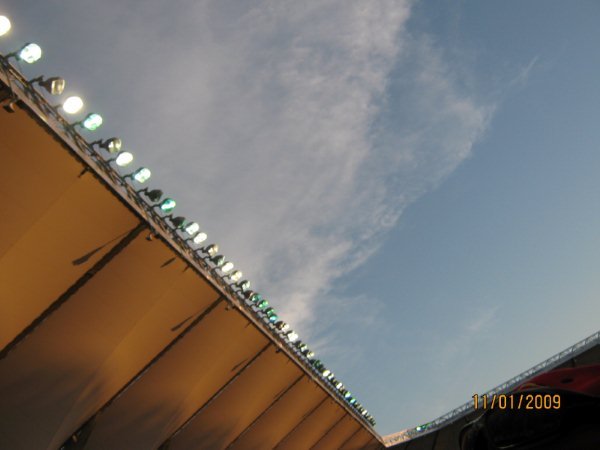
{"points": [[294, 132]]}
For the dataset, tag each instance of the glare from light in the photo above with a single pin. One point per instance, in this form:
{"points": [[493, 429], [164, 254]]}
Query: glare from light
{"points": [[92, 122], [30, 53], [200, 237], [227, 267], [192, 228], [168, 205], [235, 276], [5, 25], [142, 175], [72, 105], [123, 159]]}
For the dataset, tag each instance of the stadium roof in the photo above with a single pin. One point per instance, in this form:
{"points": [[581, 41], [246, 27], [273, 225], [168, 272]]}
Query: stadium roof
{"points": [[115, 332]]}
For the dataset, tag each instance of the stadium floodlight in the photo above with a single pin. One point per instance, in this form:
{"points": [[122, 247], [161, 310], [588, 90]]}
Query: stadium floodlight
{"points": [[5, 25], [91, 122], [212, 249], [352, 401], [167, 205], [123, 159], [218, 260], [235, 276], [154, 195], [112, 145], [326, 373], [347, 395], [282, 326], [262, 304], [141, 175], [29, 53], [200, 237], [226, 267], [52, 85], [269, 311], [292, 335], [178, 222], [192, 228], [309, 354], [273, 318], [244, 285], [253, 296], [72, 105]]}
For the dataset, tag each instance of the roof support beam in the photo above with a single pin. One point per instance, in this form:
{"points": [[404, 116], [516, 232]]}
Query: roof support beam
{"points": [[329, 430], [350, 438], [306, 416], [80, 436], [273, 403], [124, 242], [166, 444]]}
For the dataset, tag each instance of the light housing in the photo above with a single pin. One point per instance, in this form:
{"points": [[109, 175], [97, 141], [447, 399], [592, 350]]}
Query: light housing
{"points": [[29, 53], [291, 335], [52, 85], [154, 195], [218, 260], [123, 159], [226, 267], [200, 237], [5, 25], [244, 285], [92, 122], [212, 250], [192, 228], [282, 326], [167, 205], [72, 105], [178, 222], [112, 145], [141, 175], [262, 304], [235, 276]]}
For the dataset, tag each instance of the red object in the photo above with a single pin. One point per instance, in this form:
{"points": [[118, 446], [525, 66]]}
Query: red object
{"points": [[584, 380]]}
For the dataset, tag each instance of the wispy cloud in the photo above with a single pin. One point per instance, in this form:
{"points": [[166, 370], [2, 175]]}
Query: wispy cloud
{"points": [[294, 132]]}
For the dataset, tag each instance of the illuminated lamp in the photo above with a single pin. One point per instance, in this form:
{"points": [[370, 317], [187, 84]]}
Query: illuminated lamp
{"points": [[200, 237], [123, 159], [53, 85], [262, 304], [91, 122], [226, 267], [192, 228], [235, 276], [218, 260], [112, 145], [72, 105], [29, 53], [282, 326], [244, 285], [167, 205], [309, 354], [5, 25], [292, 335]]}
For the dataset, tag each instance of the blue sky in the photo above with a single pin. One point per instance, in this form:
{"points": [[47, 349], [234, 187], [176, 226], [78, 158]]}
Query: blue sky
{"points": [[413, 185]]}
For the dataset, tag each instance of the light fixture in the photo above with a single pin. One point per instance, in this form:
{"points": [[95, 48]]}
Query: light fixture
{"points": [[253, 296], [141, 175], [347, 395], [112, 145], [52, 85], [192, 228], [273, 318], [72, 105], [91, 122], [352, 401], [235, 276], [200, 237], [218, 260], [154, 195], [227, 267], [244, 285], [292, 335], [29, 53], [212, 249], [326, 373], [5, 25], [178, 222], [309, 354], [262, 304], [167, 205], [123, 159], [269, 311], [282, 326]]}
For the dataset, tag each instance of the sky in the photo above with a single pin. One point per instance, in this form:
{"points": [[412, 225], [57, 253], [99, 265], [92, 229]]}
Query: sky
{"points": [[413, 185]]}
